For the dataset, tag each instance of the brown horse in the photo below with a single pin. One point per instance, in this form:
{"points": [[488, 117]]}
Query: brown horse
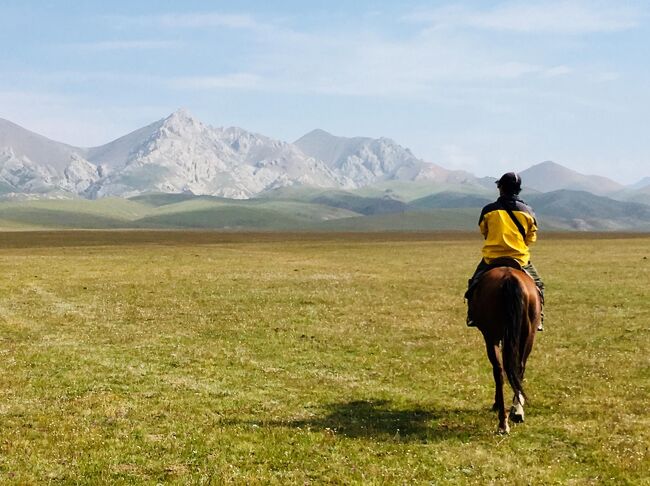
{"points": [[506, 307]]}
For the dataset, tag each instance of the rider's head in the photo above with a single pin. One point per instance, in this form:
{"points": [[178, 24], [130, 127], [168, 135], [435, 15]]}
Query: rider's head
{"points": [[509, 184]]}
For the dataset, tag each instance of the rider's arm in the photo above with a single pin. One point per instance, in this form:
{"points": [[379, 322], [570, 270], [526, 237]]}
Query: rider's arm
{"points": [[531, 234], [483, 227]]}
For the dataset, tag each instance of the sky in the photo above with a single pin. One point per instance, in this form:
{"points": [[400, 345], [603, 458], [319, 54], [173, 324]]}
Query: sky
{"points": [[484, 86]]}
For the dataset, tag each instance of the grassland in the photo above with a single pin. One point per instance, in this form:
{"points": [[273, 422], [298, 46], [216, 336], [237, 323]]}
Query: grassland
{"points": [[388, 207], [211, 358]]}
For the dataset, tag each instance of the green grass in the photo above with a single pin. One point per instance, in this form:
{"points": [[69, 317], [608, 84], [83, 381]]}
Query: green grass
{"points": [[194, 357]]}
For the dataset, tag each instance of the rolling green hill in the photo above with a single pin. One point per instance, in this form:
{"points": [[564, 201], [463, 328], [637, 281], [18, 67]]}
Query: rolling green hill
{"points": [[442, 219], [641, 195], [163, 199], [449, 199], [244, 214], [359, 204], [71, 213], [301, 208], [409, 191], [580, 210]]}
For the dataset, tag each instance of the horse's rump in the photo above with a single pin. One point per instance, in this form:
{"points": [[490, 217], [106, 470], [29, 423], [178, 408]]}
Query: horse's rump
{"points": [[490, 309], [506, 308]]}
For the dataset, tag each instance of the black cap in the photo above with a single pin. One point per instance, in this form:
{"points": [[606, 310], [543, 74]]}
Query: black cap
{"points": [[510, 181]]}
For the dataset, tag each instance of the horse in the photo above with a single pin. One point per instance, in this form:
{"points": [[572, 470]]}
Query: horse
{"points": [[506, 307]]}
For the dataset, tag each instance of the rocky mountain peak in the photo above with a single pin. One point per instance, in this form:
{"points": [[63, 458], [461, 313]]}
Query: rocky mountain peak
{"points": [[182, 123]]}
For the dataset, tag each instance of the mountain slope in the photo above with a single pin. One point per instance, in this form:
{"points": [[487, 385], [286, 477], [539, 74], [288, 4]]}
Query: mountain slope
{"points": [[549, 176], [31, 163], [365, 160], [181, 154]]}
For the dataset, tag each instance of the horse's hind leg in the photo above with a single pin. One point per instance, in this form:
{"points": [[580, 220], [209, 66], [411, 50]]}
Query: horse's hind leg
{"points": [[517, 409], [494, 355]]}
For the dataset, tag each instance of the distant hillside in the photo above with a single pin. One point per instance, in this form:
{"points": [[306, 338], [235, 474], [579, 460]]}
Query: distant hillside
{"points": [[641, 195], [408, 191], [549, 176], [642, 184], [438, 220], [319, 210], [164, 199], [363, 205], [638, 193], [581, 210], [448, 199]]}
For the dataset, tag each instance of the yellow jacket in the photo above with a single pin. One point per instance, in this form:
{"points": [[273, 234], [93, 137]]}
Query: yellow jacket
{"points": [[502, 237]]}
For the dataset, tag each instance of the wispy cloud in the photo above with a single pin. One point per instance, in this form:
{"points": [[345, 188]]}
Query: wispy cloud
{"points": [[419, 67], [189, 21], [227, 81], [554, 17], [126, 45], [210, 19], [556, 71]]}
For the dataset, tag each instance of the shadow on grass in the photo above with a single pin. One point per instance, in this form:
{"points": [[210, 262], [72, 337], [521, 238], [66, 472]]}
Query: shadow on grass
{"points": [[379, 419]]}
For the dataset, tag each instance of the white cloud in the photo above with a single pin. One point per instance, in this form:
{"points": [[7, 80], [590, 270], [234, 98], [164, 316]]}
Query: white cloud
{"points": [[118, 45], [607, 77], [234, 81], [188, 21], [556, 71], [508, 70], [552, 17], [351, 63], [419, 67]]}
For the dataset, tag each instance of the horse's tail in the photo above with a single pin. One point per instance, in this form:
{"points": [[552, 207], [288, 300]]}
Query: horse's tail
{"points": [[514, 307]]}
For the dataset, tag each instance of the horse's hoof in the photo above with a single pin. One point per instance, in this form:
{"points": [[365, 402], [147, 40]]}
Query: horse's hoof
{"points": [[518, 418], [503, 430]]}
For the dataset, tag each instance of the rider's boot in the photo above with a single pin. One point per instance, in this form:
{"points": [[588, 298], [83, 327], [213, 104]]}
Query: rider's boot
{"points": [[540, 326], [468, 295], [470, 322]]}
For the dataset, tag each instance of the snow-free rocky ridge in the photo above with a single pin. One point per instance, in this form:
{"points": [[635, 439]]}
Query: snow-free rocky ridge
{"points": [[180, 154]]}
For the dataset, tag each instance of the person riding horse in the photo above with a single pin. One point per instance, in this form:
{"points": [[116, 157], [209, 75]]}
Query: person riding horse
{"points": [[509, 227]]}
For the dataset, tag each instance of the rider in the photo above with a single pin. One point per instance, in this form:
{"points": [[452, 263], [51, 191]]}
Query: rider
{"points": [[509, 228]]}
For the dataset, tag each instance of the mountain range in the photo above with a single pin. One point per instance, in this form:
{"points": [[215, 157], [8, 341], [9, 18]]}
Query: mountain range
{"points": [[181, 154], [180, 172]]}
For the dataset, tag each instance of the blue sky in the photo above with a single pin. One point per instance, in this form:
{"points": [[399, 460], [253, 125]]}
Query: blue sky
{"points": [[483, 86]]}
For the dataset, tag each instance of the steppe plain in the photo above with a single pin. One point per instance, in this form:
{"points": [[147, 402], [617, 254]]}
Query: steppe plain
{"points": [[194, 357]]}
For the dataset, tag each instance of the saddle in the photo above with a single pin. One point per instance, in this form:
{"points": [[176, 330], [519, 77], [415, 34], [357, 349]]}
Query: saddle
{"points": [[503, 262], [496, 263]]}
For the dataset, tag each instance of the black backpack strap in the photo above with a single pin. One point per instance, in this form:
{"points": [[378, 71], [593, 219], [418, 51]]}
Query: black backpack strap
{"points": [[517, 223]]}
